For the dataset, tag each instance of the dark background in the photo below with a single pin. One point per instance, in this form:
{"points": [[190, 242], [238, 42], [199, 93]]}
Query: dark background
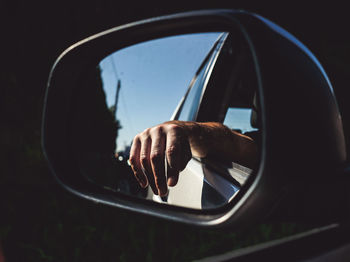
{"points": [[41, 222]]}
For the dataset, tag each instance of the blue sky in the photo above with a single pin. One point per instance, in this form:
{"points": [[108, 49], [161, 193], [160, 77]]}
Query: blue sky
{"points": [[154, 77]]}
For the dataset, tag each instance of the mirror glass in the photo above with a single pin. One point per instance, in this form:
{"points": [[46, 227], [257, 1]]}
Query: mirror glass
{"points": [[182, 108]]}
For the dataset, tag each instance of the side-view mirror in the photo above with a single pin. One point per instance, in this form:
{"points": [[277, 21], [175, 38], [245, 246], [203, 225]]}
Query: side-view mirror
{"points": [[123, 109]]}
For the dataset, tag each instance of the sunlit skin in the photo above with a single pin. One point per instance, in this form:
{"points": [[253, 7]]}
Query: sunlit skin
{"points": [[178, 141]]}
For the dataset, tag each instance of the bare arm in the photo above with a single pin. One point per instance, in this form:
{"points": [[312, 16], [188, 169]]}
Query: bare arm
{"points": [[178, 141], [216, 138]]}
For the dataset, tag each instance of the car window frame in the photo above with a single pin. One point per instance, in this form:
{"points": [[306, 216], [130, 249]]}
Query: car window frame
{"points": [[207, 65]]}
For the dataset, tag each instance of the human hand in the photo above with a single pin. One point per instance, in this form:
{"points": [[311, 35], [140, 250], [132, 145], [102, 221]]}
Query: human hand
{"points": [[164, 144]]}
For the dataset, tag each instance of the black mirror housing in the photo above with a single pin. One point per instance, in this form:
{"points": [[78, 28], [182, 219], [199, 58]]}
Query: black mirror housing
{"points": [[300, 120]]}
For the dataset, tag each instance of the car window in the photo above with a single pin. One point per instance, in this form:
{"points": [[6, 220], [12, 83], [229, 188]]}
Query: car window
{"points": [[239, 119], [189, 108], [191, 104]]}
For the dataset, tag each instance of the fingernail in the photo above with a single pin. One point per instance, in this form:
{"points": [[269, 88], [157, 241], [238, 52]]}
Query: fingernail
{"points": [[143, 183], [172, 181]]}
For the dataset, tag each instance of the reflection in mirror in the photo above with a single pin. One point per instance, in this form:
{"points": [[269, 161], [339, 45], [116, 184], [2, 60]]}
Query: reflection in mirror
{"points": [[182, 108]]}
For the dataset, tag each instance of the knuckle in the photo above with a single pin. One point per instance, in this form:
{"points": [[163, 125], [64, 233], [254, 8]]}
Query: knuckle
{"points": [[144, 160], [171, 150], [145, 132], [157, 130], [136, 139], [156, 157], [174, 128], [132, 160]]}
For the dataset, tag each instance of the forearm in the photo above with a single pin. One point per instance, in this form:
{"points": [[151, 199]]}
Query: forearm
{"points": [[212, 138]]}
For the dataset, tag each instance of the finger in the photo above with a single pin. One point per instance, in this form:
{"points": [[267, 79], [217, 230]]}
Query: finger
{"points": [[172, 176], [186, 155], [173, 149], [157, 157], [145, 163], [134, 160], [178, 151]]}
